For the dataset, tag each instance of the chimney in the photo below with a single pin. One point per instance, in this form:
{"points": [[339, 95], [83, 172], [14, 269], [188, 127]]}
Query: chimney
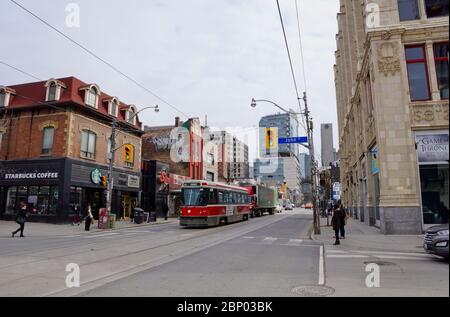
{"points": [[177, 122]]}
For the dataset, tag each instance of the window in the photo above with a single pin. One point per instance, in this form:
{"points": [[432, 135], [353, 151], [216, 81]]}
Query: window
{"points": [[52, 92], [47, 144], [419, 87], [2, 98], [436, 8], [434, 183], [1, 139], [131, 116], [113, 108], [92, 97], [88, 143], [441, 60], [108, 150], [408, 10]]}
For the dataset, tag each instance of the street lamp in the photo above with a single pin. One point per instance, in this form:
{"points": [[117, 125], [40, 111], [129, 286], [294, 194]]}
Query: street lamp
{"points": [[113, 150]]}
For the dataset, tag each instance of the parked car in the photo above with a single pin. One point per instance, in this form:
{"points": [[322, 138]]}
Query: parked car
{"points": [[436, 241], [289, 206], [308, 206]]}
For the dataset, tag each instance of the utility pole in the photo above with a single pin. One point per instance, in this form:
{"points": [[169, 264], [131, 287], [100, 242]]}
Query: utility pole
{"points": [[111, 166], [310, 128]]}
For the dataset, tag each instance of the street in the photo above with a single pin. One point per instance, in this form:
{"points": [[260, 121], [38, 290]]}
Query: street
{"points": [[270, 256]]}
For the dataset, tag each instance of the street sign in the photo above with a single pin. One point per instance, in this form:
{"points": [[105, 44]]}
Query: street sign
{"points": [[303, 139]]}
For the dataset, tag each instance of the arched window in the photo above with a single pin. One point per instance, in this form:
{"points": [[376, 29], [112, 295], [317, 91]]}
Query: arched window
{"points": [[52, 92], [113, 107], [131, 118], [92, 97]]}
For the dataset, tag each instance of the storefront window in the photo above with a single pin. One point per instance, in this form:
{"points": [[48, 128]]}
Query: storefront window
{"points": [[11, 201], [75, 198], [435, 197]]}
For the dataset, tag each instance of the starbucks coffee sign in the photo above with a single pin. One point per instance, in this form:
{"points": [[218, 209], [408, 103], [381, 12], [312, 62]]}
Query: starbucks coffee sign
{"points": [[96, 176]]}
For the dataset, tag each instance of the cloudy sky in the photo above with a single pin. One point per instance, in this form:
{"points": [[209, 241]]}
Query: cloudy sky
{"points": [[204, 57]]}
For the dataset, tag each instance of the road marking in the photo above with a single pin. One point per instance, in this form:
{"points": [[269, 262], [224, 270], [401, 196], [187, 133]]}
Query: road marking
{"points": [[337, 251], [394, 253], [248, 238], [294, 242], [346, 256], [321, 267], [101, 235], [135, 231], [269, 240]]}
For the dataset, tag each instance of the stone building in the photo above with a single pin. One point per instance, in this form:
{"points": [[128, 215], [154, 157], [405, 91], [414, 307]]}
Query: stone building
{"points": [[391, 78]]}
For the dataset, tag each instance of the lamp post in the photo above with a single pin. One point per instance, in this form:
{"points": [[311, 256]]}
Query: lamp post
{"points": [[310, 147], [113, 151]]}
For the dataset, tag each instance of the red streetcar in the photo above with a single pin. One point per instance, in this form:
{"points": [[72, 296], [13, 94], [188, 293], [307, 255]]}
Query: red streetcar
{"points": [[208, 204]]}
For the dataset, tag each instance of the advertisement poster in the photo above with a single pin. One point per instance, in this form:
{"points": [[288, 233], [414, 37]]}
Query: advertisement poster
{"points": [[432, 148]]}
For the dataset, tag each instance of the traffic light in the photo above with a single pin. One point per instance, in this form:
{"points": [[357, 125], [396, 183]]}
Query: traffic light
{"points": [[104, 181], [128, 153], [271, 138]]}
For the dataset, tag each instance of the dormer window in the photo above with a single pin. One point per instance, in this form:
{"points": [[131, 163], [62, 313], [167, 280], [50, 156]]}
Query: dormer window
{"points": [[113, 106], [5, 96], [131, 115], [54, 90], [91, 95]]}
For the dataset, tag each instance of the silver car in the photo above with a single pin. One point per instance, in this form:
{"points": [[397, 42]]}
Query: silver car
{"points": [[436, 241]]}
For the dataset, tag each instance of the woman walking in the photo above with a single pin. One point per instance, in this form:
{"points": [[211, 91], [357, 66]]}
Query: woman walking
{"points": [[336, 222], [21, 218]]}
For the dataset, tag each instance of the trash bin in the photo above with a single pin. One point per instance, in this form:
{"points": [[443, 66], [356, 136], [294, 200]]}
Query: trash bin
{"points": [[138, 216], [146, 217], [153, 216]]}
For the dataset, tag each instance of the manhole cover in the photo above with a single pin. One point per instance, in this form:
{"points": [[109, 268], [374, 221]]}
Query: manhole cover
{"points": [[313, 291], [380, 263]]}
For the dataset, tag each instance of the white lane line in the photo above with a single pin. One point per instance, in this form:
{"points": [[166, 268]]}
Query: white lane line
{"points": [[133, 231], [393, 253], [321, 267], [346, 256], [338, 251], [269, 240], [249, 238], [102, 235]]}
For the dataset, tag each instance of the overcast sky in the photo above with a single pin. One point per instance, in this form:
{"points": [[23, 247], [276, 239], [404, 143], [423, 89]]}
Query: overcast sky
{"points": [[205, 57]]}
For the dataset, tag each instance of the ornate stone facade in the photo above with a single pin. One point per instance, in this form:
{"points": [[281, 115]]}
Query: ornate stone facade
{"points": [[378, 120]]}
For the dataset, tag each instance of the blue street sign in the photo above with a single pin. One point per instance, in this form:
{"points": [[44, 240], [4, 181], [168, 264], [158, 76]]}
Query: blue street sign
{"points": [[303, 139]]}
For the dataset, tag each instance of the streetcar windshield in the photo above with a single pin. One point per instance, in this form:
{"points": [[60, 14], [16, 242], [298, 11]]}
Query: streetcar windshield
{"points": [[194, 197]]}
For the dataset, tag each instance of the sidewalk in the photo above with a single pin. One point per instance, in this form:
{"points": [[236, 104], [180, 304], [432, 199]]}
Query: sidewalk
{"points": [[54, 230], [359, 236]]}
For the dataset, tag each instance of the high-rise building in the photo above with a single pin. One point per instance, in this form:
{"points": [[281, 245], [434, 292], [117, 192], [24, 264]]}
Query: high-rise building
{"points": [[280, 164], [327, 144], [392, 93]]}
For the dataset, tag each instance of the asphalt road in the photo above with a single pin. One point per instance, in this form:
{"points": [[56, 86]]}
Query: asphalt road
{"points": [[265, 256], [269, 261]]}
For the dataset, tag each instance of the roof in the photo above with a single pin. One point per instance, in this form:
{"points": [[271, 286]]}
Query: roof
{"points": [[32, 94]]}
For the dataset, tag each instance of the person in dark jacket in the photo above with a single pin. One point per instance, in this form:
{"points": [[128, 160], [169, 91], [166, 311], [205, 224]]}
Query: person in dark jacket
{"points": [[21, 218], [343, 220], [165, 210], [336, 222]]}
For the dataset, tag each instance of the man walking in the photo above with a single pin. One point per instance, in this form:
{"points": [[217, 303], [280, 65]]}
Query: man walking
{"points": [[336, 222]]}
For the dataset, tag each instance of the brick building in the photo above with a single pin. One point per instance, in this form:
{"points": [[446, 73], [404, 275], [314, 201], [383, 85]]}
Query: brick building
{"points": [[55, 145]]}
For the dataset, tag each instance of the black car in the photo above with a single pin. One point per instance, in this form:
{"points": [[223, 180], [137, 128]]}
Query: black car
{"points": [[436, 241]]}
